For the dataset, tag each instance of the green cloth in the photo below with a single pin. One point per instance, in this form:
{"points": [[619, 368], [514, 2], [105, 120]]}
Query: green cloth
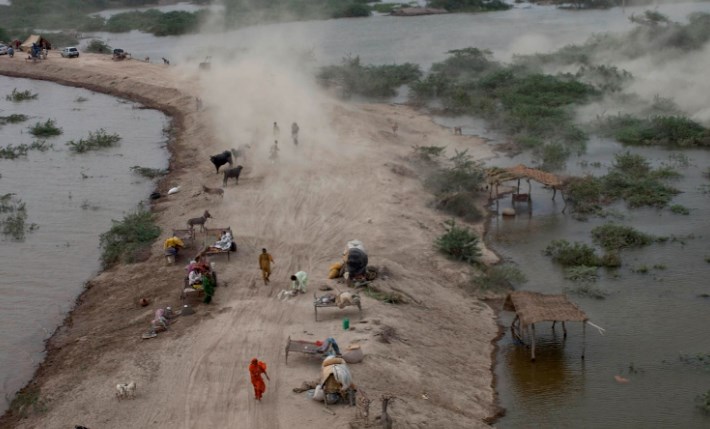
{"points": [[208, 287]]}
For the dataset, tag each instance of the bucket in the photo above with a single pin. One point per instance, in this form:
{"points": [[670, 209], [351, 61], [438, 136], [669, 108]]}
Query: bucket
{"points": [[346, 324]]}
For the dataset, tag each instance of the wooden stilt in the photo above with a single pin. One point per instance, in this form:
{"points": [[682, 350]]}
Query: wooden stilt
{"points": [[518, 185], [584, 337], [564, 329], [554, 192], [532, 358], [554, 322]]}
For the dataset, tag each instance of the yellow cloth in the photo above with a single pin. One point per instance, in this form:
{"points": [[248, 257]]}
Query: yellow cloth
{"points": [[173, 242], [334, 271]]}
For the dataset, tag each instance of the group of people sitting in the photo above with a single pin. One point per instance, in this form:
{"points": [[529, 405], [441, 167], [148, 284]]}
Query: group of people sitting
{"points": [[200, 275]]}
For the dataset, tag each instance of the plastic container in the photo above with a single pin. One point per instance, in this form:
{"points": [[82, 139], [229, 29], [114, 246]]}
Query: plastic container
{"points": [[346, 324]]}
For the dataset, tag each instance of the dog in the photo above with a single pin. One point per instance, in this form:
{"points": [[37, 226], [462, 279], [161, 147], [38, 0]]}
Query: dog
{"points": [[232, 173], [126, 390], [213, 191], [221, 158], [457, 131], [166, 62]]}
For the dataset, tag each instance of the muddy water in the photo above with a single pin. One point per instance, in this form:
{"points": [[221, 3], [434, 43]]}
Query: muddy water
{"points": [[650, 319], [72, 198]]}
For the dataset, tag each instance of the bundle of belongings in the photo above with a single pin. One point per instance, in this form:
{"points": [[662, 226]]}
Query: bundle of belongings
{"points": [[336, 383], [342, 299], [355, 261]]}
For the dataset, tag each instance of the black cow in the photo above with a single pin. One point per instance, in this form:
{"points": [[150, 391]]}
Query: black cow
{"points": [[232, 173], [221, 159]]}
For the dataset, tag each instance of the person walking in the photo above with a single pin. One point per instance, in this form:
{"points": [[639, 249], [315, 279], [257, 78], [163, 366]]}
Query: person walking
{"points": [[274, 153], [256, 368], [299, 281], [276, 131], [294, 133], [265, 261]]}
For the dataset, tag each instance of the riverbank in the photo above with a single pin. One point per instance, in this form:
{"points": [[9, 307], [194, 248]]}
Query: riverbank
{"points": [[344, 181]]}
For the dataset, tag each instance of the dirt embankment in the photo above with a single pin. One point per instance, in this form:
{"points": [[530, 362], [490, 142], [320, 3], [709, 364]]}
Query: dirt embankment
{"points": [[343, 181]]}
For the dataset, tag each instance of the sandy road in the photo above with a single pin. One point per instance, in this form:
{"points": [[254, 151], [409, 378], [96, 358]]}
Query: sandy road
{"points": [[338, 184]]}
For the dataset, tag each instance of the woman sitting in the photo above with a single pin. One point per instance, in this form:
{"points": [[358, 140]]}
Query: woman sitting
{"points": [[196, 270]]}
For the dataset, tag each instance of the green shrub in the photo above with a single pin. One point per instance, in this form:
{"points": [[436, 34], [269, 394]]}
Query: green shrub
{"points": [[45, 129], [458, 243], [17, 96], [581, 273], [27, 402], [13, 119], [676, 130], [585, 194], [611, 236], [428, 153], [373, 81], [13, 217], [97, 46], [460, 204], [572, 254], [469, 5], [133, 234], [498, 278], [462, 175], [679, 209], [96, 140]]}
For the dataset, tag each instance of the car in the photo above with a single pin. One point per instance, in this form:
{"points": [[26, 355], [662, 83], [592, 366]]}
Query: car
{"points": [[4, 49], [70, 52]]}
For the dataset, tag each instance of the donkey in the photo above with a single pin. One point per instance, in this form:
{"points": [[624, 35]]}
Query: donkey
{"points": [[199, 221], [232, 173]]}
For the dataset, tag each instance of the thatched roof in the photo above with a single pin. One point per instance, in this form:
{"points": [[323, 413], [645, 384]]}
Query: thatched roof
{"points": [[533, 307], [497, 175]]}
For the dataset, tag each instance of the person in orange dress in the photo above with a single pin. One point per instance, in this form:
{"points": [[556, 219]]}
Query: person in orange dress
{"points": [[265, 261], [256, 368]]}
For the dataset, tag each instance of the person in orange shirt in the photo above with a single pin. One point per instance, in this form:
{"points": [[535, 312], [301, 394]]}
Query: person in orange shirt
{"points": [[265, 261], [256, 368]]}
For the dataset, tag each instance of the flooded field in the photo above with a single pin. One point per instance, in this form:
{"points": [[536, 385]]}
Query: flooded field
{"points": [[72, 199]]}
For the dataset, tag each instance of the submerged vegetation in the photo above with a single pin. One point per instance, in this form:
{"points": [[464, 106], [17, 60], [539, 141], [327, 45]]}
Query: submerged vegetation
{"points": [[149, 173], [13, 152], [579, 254], [97, 140], [128, 237], [373, 81], [13, 217], [469, 5], [658, 130], [13, 118], [497, 278], [45, 129], [631, 178], [17, 96], [611, 236]]}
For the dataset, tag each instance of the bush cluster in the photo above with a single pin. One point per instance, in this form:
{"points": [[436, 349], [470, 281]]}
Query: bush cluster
{"points": [[18, 96], [373, 81], [458, 243], [97, 140], [47, 128], [612, 236], [13, 118], [678, 131], [498, 278], [97, 46], [13, 217], [578, 254], [134, 233]]}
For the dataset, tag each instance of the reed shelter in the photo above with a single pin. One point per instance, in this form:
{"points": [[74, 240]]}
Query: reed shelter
{"points": [[533, 307]]}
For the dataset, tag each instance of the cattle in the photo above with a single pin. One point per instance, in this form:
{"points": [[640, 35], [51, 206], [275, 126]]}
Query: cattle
{"points": [[232, 173], [221, 159]]}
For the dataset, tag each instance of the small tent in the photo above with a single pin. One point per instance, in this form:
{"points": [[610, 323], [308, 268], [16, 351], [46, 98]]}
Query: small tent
{"points": [[26, 46]]}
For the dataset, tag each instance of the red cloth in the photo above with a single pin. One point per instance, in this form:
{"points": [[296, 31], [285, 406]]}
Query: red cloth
{"points": [[255, 370]]}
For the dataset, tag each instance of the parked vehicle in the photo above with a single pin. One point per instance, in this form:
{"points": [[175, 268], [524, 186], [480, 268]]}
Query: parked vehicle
{"points": [[70, 52], [4, 49]]}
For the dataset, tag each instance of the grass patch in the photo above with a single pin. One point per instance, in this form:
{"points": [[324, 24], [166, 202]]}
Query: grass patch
{"points": [[97, 140], [149, 173], [455, 185], [703, 402], [17, 96], [428, 153], [575, 254], [458, 243], [13, 218], [641, 269], [388, 297], [13, 152], [27, 402], [373, 81], [675, 131], [13, 119], [127, 237], [615, 237], [498, 278], [680, 209], [581, 273], [97, 46], [45, 129]]}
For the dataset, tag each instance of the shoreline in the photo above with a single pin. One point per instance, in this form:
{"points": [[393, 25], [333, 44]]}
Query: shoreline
{"points": [[185, 125]]}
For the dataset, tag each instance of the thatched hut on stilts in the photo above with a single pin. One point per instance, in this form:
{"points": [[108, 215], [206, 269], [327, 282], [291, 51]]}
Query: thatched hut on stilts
{"points": [[532, 307]]}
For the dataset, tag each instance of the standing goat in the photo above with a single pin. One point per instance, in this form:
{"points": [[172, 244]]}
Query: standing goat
{"points": [[199, 221]]}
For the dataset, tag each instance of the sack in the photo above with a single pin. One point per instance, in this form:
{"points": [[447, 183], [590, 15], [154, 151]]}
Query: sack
{"points": [[319, 394], [353, 355], [233, 247], [333, 361]]}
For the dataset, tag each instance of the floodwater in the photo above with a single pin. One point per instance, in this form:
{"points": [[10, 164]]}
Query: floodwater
{"points": [[72, 198], [177, 7], [649, 318]]}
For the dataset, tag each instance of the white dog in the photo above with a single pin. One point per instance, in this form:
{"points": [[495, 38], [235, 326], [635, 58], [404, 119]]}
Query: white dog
{"points": [[124, 391]]}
